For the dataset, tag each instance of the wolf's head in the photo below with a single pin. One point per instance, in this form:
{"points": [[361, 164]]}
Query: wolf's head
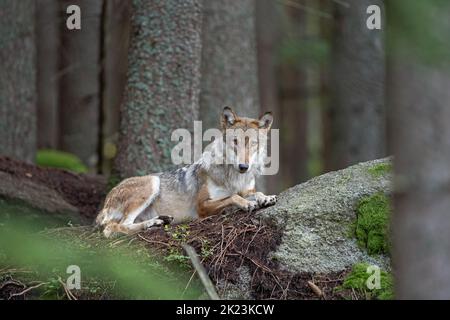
{"points": [[245, 139]]}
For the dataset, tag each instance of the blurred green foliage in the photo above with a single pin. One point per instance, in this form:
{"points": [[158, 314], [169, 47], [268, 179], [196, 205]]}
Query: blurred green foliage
{"points": [[304, 52], [36, 219], [61, 160], [110, 268], [113, 180], [418, 28]]}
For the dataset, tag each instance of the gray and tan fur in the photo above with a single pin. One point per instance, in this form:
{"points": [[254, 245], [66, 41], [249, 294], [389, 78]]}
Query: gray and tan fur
{"points": [[199, 190]]}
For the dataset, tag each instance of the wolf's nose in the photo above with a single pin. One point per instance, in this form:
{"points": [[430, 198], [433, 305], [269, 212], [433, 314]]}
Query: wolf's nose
{"points": [[243, 167]]}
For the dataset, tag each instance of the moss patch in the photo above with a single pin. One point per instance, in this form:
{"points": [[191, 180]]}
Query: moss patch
{"points": [[59, 159], [357, 280], [380, 169], [371, 227]]}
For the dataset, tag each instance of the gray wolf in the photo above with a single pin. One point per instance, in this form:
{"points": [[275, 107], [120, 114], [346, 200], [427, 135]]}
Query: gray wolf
{"points": [[204, 188]]}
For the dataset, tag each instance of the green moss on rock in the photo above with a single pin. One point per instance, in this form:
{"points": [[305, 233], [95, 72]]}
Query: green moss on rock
{"points": [[371, 227], [59, 159], [358, 278], [380, 169]]}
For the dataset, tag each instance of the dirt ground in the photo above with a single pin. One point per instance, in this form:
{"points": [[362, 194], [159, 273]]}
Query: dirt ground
{"points": [[227, 242], [83, 191]]}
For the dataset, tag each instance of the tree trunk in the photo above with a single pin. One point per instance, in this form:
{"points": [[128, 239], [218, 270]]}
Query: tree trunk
{"points": [[17, 79], [357, 111], [229, 60], [268, 32], [267, 40], [79, 97], [47, 33], [115, 64], [293, 99], [418, 99], [163, 83]]}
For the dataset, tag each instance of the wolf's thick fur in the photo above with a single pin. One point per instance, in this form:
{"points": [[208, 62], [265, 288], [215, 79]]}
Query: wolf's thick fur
{"points": [[199, 190]]}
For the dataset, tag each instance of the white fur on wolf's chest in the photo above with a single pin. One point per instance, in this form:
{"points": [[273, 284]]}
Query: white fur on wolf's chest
{"points": [[234, 186]]}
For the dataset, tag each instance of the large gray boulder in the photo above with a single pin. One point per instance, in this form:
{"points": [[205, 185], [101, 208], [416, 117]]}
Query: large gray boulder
{"points": [[316, 218]]}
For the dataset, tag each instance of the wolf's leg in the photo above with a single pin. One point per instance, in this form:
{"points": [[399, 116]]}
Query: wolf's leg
{"points": [[212, 207], [126, 202], [133, 228]]}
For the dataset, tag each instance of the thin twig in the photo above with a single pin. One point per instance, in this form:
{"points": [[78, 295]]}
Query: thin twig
{"points": [[27, 290], [12, 282], [286, 291], [305, 8], [13, 271], [253, 238], [69, 294], [342, 3], [188, 283], [153, 241]]}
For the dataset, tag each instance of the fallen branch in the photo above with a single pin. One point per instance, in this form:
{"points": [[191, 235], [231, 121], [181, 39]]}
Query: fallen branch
{"points": [[12, 282], [206, 281]]}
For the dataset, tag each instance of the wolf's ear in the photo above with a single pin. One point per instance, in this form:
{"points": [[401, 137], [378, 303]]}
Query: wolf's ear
{"points": [[266, 120], [228, 117]]}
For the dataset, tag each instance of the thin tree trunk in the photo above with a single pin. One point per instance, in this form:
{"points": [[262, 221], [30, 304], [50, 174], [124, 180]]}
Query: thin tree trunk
{"points": [[115, 64], [357, 112], [292, 113], [47, 68], [268, 32], [17, 79], [267, 36], [79, 97], [325, 31], [293, 125], [421, 144], [229, 60], [163, 83]]}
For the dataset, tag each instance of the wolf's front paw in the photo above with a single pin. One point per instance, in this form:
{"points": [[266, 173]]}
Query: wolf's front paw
{"points": [[250, 206], [165, 219], [266, 201], [159, 221]]}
